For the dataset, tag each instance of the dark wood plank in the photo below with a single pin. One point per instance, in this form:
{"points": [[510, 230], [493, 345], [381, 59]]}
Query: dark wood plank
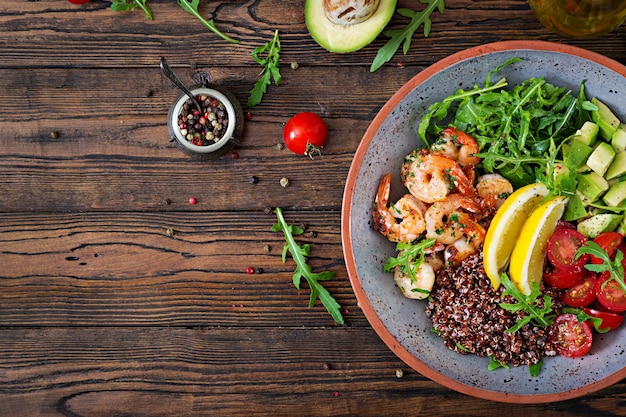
{"points": [[124, 269], [216, 371]]}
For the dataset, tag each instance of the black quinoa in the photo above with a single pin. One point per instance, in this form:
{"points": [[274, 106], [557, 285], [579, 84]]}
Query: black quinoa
{"points": [[465, 312]]}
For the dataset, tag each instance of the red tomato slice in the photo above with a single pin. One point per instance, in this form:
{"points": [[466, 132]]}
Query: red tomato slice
{"points": [[610, 294], [571, 338], [610, 321], [582, 294], [609, 242], [562, 247], [560, 278]]}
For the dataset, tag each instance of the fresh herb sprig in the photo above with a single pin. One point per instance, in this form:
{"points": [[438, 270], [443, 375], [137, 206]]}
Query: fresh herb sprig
{"points": [[615, 268], [405, 35], [409, 258], [191, 7], [123, 5], [538, 310], [303, 270], [271, 69]]}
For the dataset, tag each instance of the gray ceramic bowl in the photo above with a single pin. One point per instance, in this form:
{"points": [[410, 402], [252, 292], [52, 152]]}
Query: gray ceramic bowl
{"points": [[400, 322]]}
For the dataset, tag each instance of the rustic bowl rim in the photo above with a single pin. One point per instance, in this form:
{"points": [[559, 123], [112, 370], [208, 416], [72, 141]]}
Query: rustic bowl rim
{"points": [[348, 249]]}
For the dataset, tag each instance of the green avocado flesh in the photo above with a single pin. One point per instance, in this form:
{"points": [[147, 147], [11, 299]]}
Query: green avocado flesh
{"points": [[344, 39]]}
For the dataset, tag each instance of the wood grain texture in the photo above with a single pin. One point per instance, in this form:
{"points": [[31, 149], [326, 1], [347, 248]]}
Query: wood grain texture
{"points": [[105, 313]]}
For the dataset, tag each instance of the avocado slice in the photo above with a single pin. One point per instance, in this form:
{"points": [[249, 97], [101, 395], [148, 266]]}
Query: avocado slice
{"points": [[593, 226], [605, 119], [350, 38]]}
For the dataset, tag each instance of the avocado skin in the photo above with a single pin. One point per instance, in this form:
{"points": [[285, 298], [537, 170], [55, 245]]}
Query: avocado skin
{"points": [[345, 39]]}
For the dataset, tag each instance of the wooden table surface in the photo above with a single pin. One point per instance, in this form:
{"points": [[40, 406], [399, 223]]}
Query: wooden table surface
{"points": [[102, 313]]}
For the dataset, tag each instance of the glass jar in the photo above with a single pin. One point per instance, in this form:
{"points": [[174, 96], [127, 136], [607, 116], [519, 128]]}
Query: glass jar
{"points": [[580, 18]]}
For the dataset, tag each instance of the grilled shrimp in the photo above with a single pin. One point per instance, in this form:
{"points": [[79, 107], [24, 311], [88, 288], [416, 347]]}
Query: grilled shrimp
{"points": [[403, 221], [449, 220], [458, 146], [431, 177], [492, 190]]}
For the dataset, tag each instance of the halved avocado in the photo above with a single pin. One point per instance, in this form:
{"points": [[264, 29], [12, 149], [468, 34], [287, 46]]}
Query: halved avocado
{"points": [[344, 39]]}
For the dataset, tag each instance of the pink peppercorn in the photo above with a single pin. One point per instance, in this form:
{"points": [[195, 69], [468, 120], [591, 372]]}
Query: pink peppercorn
{"points": [[192, 200], [235, 155], [249, 270]]}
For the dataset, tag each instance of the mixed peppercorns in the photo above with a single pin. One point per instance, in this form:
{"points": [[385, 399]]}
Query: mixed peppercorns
{"points": [[206, 127]]}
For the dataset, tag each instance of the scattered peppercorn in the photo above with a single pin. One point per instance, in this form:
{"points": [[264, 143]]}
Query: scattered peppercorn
{"points": [[280, 146], [312, 234], [253, 180], [235, 155], [267, 210], [248, 116], [249, 270], [54, 134], [294, 65], [267, 248], [327, 366], [192, 200], [399, 373], [169, 232], [284, 182]]}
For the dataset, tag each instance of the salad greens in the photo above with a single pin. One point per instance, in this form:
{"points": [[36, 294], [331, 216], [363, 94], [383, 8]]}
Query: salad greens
{"points": [[519, 131], [538, 307], [410, 257], [615, 268], [271, 69], [405, 35], [303, 270]]}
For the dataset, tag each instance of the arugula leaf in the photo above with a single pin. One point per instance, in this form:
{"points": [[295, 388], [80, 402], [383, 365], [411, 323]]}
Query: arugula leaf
{"points": [[541, 316], [303, 270], [191, 7], [495, 364], [535, 368], [122, 5], [410, 257], [406, 35], [615, 267], [270, 70]]}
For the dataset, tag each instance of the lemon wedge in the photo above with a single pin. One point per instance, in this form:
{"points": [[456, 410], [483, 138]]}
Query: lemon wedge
{"points": [[505, 228], [529, 252]]}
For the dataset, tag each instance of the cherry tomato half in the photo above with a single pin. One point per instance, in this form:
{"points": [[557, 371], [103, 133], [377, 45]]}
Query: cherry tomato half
{"points": [[305, 133], [582, 294], [571, 338], [610, 294], [560, 278], [609, 242], [610, 321], [562, 247]]}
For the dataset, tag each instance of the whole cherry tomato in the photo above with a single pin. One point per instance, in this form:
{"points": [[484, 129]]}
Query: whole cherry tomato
{"points": [[305, 133]]}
